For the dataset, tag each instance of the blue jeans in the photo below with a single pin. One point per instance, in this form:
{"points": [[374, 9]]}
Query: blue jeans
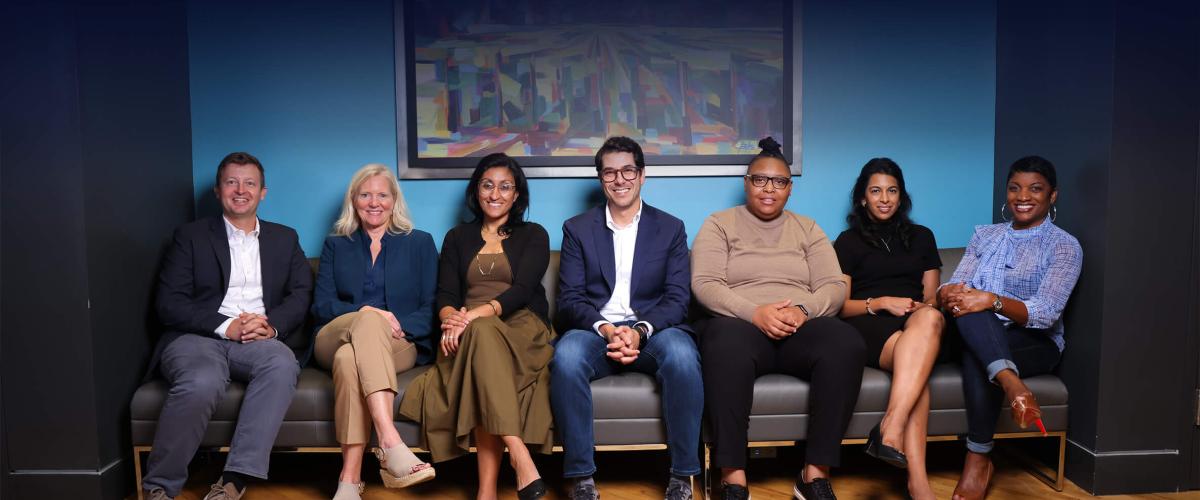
{"points": [[989, 348], [670, 355]]}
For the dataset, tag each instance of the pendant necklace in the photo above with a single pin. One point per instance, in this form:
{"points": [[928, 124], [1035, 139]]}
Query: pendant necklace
{"points": [[479, 265], [885, 244]]}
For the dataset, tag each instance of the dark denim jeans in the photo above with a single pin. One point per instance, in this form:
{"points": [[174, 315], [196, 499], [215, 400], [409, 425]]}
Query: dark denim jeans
{"points": [[988, 348], [670, 355]]}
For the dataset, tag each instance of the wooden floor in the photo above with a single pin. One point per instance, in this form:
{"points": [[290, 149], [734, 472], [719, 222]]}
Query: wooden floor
{"points": [[641, 475]]}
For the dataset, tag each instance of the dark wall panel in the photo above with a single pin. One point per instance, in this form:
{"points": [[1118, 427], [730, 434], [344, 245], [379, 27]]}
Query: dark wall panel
{"points": [[1156, 116], [47, 347], [95, 171], [137, 144]]}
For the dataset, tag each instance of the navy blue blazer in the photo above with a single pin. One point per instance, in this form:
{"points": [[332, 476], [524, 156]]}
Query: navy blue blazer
{"points": [[195, 277], [411, 267], [660, 289]]}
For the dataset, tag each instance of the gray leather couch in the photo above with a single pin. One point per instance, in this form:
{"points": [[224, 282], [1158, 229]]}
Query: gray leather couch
{"points": [[627, 409]]}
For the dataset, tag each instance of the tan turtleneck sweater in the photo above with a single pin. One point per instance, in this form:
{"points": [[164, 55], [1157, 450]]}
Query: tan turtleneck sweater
{"points": [[740, 262]]}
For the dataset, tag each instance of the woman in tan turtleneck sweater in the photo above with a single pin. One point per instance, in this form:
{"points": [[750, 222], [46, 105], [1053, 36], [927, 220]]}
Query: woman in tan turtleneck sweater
{"points": [[771, 280]]}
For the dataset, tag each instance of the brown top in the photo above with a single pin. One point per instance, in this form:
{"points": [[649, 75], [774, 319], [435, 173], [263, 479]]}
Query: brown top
{"points": [[740, 262], [488, 277]]}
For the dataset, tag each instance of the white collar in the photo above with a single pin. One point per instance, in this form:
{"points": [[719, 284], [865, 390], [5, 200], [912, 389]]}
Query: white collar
{"points": [[231, 229], [613, 225]]}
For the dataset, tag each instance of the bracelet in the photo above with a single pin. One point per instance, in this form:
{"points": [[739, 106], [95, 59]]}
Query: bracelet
{"points": [[869, 311], [493, 306]]}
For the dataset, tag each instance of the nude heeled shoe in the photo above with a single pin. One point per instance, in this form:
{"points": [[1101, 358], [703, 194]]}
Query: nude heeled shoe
{"points": [[396, 475], [1025, 410]]}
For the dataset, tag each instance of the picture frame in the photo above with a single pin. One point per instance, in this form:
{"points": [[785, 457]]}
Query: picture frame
{"points": [[539, 83]]}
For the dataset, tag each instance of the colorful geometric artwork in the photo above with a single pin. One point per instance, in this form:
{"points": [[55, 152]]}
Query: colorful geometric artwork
{"points": [[555, 78]]}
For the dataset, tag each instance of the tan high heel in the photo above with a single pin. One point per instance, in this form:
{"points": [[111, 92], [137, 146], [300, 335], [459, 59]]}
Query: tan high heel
{"points": [[1025, 410], [394, 474]]}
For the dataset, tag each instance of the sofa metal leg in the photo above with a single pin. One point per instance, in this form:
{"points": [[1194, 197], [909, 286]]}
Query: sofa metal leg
{"points": [[137, 469], [1039, 471]]}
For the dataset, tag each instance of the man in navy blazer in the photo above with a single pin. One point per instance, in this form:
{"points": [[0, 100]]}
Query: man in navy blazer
{"points": [[623, 294], [230, 290]]}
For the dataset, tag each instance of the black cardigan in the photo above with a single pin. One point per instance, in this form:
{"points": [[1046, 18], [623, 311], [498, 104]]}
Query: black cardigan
{"points": [[528, 252]]}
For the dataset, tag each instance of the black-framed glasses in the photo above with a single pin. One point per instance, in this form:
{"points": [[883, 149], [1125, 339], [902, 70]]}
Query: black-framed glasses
{"points": [[629, 174], [761, 181]]}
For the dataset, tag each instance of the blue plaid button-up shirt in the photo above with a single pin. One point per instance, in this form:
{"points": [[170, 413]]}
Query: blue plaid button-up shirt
{"points": [[1038, 266]]}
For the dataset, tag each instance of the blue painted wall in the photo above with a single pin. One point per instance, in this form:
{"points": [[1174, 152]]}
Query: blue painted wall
{"points": [[308, 87]]}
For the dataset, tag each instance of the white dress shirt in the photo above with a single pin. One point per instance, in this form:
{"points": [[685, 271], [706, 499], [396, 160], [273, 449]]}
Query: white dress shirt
{"points": [[618, 307], [245, 293]]}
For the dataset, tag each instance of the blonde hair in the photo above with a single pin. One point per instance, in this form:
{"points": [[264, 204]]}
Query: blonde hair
{"points": [[398, 223]]}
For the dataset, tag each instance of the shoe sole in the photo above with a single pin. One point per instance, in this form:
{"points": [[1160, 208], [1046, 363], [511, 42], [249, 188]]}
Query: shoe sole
{"points": [[796, 493], [418, 477]]}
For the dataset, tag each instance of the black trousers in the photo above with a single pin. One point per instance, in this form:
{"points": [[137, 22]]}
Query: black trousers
{"points": [[826, 352]]}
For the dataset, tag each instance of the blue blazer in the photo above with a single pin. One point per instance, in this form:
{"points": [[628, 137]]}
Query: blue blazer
{"points": [[660, 289], [411, 267]]}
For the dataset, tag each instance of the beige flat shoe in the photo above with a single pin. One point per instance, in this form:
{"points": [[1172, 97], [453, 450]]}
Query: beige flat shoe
{"points": [[348, 491]]}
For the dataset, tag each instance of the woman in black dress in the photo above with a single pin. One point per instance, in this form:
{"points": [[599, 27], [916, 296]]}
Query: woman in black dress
{"points": [[892, 268]]}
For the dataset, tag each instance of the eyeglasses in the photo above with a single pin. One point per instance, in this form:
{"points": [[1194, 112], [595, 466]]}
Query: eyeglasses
{"points": [[761, 181], [610, 175], [506, 188]]}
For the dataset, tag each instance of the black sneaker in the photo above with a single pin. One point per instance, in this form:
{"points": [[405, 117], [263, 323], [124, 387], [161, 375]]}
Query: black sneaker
{"points": [[584, 490], [678, 488], [734, 492], [818, 489]]}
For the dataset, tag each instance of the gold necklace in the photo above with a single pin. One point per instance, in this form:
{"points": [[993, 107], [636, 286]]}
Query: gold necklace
{"points": [[479, 266]]}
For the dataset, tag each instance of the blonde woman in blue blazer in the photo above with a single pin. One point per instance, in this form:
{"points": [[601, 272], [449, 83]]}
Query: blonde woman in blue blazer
{"points": [[374, 307]]}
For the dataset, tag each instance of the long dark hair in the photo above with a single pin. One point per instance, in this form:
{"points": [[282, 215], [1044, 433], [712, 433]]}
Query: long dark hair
{"points": [[860, 217], [516, 215]]}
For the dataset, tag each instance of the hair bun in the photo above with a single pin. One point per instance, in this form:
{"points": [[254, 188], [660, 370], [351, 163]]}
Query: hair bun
{"points": [[768, 145]]}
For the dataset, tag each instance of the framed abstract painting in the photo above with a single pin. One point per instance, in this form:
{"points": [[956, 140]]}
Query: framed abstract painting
{"points": [[696, 82]]}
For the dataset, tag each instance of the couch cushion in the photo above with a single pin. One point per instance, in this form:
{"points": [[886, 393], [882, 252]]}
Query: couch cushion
{"points": [[313, 399]]}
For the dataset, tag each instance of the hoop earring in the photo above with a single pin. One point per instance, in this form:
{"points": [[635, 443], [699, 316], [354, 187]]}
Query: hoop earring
{"points": [[1002, 217], [1053, 213]]}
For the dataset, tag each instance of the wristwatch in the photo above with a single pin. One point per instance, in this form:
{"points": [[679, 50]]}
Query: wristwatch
{"points": [[643, 333], [997, 305]]}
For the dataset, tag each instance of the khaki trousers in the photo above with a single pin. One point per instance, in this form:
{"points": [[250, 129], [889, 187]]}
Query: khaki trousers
{"points": [[359, 349]]}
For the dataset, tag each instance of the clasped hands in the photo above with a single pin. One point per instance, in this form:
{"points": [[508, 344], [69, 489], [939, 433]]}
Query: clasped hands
{"points": [[623, 343], [248, 327], [779, 320], [397, 331], [960, 299], [453, 326]]}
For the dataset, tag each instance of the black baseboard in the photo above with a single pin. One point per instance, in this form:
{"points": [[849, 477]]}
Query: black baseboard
{"points": [[1115, 473], [110, 483]]}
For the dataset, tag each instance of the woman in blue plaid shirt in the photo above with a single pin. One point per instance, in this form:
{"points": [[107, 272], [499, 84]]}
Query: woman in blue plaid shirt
{"points": [[1007, 296]]}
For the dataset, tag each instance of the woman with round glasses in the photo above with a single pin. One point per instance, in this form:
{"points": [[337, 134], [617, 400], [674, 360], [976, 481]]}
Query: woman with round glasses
{"points": [[771, 281], [490, 385], [893, 270]]}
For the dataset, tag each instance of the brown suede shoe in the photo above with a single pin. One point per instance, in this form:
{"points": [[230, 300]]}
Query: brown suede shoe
{"points": [[223, 491]]}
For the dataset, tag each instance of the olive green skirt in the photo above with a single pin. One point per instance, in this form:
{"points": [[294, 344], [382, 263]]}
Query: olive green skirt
{"points": [[498, 379]]}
